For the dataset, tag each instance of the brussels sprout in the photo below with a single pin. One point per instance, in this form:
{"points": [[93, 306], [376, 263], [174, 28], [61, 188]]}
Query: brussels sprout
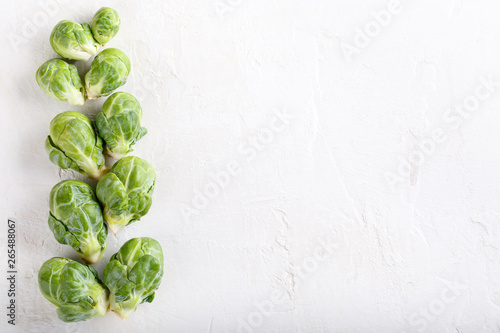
{"points": [[119, 124], [105, 24], [74, 288], [133, 274], [109, 70], [76, 219], [73, 144], [126, 192], [61, 81], [74, 41]]}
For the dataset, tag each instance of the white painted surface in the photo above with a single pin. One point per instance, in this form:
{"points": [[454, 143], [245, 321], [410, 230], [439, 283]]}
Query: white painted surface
{"points": [[419, 253]]}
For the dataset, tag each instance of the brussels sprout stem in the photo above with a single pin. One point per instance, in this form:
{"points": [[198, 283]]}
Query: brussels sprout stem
{"points": [[114, 227], [123, 314], [93, 258], [119, 151], [115, 223], [114, 155], [76, 98], [92, 251], [126, 308], [97, 174], [90, 94], [103, 302]]}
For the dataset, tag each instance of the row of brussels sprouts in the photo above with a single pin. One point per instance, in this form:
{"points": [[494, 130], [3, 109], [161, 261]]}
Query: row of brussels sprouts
{"points": [[73, 142], [80, 217], [131, 277], [74, 41], [61, 81]]}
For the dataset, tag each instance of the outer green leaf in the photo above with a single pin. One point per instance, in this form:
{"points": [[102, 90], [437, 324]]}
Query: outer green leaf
{"points": [[119, 124], [74, 312], [111, 188], [105, 24], [149, 299], [115, 277], [145, 273], [126, 192], [62, 234], [76, 219], [74, 144], [134, 274], [73, 288], [61, 81], [73, 41], [58, 157], [109, 70]]}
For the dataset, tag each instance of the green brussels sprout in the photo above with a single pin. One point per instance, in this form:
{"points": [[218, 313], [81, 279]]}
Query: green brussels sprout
{"points": [[119, 124], [108, 71], [73, 144], [133, 274], [76, 220], [126, 192], [105, 24], [74, 41], [74, 288], [61, 81]]}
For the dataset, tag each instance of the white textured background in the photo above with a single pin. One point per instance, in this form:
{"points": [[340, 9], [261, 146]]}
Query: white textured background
{"points": [[373, 205]]}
